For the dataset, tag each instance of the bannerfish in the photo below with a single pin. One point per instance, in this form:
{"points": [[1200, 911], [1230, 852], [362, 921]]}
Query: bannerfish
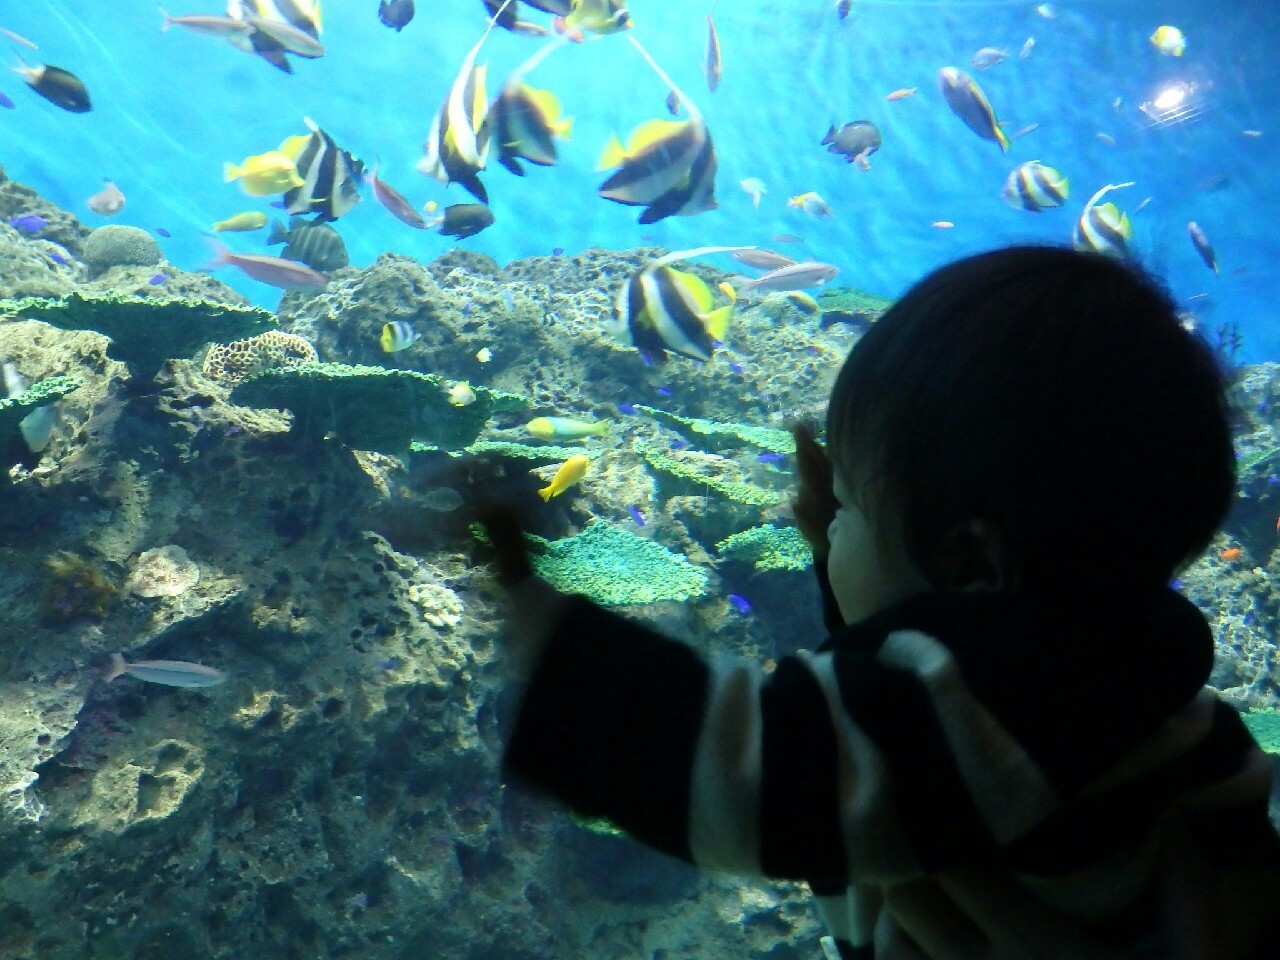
{"points": [[506, 14], [856, 141], [457, 145], [712, 64], [660, 309], [108, 201], [570, 472], [395, 13], [754, 188], [171, 673], [398, 335], [566, 428], [60, 87], [812, 204], [330, 175], [264, 174], [1103, 228], [1034, 186], [37, 427], [394, 201], [796, 276], [969, 103], [525, 124], [276, 271], [593, 16], [241, 222], [270, 19], [667, 166], [209, 26], [318, 245], [461, 220], [1203, 247]]}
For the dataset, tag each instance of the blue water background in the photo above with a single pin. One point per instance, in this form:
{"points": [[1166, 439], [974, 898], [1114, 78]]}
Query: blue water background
{"points": [[171, 108]]}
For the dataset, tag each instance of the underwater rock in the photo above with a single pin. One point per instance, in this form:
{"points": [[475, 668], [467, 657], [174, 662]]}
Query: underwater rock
{"points": [[162, 572], [119, 245], [13, 410], [60, 227]]}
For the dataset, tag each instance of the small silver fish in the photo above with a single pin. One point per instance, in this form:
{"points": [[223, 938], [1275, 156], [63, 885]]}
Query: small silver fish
{"points": [[1203, 247], [172, 673], [797, 276], [1026, 48], [987, 57], [763, 259]]}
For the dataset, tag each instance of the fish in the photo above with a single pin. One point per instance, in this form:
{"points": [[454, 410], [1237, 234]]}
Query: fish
{"points": [[157, 279], [1203, 247], [1170, 41], [442, 499], [667, 166], [754, 188], [484, 355], [457, 145], [108, 201], [805, 304], [1142, 204], [673, 103], [161, 231], [28, 223], [942, 224], [462, 220], [276, 271], [1027, 47], [60, 87], [857, 141], [593, 16], [6, 102], [739, 603], [1033, 186], [843, 7], [986, 58], [1230, 553], [318, 245], [636, 515], [394, 201], [19, 38], [787, 238], [291, 38], [171, 673], [37, 427], [525, 124], [1047, 11], [1252, 133], [570, 472], [559, 8], [264, 174], [902, 93], [209, 26], [811, 204], [269, 19], [460, 394], [241, 222], [398, 335], [566, 428], [1103, 229], [395, 13], [659, 309], [330, 175], [712, 64], [969, 103], [762, 259], [797, 276], [1023, 131], [1106, 138]]}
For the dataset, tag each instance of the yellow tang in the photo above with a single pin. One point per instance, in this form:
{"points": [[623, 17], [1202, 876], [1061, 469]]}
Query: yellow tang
{"points": [[570, 472], [249, 220], [264, 174]]}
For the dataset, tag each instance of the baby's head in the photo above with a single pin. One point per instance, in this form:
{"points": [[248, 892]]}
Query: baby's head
{"points": [[1028, 417]]}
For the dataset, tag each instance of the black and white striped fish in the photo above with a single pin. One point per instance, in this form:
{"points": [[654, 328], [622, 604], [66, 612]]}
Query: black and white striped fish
{"points": [[660, 309], [1034, 186], [331, 177], [299, 19], [457, 146], [1103, 229]]}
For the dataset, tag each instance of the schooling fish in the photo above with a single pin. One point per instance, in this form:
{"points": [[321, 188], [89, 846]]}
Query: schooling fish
{"points": [[1034, 186], [330, 175], [394, 201], [570, 472], [660, 309], [565, 428], [276, 271], [461, 220], [264, 174], [1203, 247], [60, 87], [526, 122], [1103, 229], [969, 103], [318, 245], [108, 201], [762, 259], [797, 276], [395, 13], [856, 141], [171, 673]]}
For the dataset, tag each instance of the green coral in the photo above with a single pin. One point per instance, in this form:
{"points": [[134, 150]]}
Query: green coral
{"points": [[768, 547], [374, 408], [529, 451], [766, 438], [850, 304], [706, 471], [15, 409], [614, 567], [145, 332], [1265, 727]]}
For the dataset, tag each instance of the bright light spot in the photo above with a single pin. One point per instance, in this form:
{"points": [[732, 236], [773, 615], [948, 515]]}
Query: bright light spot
{"points": [[1170, 97]]}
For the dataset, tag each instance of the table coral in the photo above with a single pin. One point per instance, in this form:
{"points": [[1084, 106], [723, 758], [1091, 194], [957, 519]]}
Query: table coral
{"points": [[766, 438], [15, 409], [707, 471], [768, 547]]}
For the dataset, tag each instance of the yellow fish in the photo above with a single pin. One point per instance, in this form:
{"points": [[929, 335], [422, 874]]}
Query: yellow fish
{"points": [[564, 428], [594, 16], [264, 174], [570, 472], [249, 220], [1170, 41]]}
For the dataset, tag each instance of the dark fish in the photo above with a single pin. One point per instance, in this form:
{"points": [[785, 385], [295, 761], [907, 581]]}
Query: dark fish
{"points": [[395, 13], [462, 220], [330, 176], [969, 103], [457, 145], [317, 245], [739, 603], [843, 7], [526, 122], [856, 141], [1202, 245], [29, 223], [5, 101], [60, 87], [161, 231], [636, 515], [560, 8]]}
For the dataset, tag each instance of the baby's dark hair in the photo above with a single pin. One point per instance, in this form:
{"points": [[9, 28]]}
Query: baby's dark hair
{"points": [[1053, 395]]}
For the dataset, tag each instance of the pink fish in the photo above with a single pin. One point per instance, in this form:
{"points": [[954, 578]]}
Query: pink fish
{"points": [[108, 201], [277, 271], [394, 201]]}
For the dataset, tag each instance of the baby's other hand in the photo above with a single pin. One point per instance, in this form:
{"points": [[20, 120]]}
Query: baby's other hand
{"points": [[815, 505]]}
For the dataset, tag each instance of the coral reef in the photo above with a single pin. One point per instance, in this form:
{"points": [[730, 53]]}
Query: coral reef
{"points": [[1265, 727], [75, 589], [13, 410], [162, 572], [119, 245], [233, 362], [710, 431], [768, 547]]}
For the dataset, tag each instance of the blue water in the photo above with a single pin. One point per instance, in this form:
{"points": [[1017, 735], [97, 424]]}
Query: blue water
{"points": [[171, 108]]}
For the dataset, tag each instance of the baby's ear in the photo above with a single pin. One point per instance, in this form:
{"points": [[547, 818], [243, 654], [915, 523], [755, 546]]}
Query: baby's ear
{"points": [[972, 558]]}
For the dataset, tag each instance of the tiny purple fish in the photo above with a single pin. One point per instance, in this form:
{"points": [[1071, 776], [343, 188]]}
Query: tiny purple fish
{"points": [[557, 251], [740, 604], [663, 392], [278, 204], [161, 231], [736, 367], [771, 457], [5, 101], [29, 223], [156, 279], [58, 258], [466, 309], [626, 408], [636, 515], [679, 443]]}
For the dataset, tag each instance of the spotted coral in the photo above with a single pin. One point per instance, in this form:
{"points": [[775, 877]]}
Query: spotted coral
{"points": [[163, 572], [233, 362]]}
